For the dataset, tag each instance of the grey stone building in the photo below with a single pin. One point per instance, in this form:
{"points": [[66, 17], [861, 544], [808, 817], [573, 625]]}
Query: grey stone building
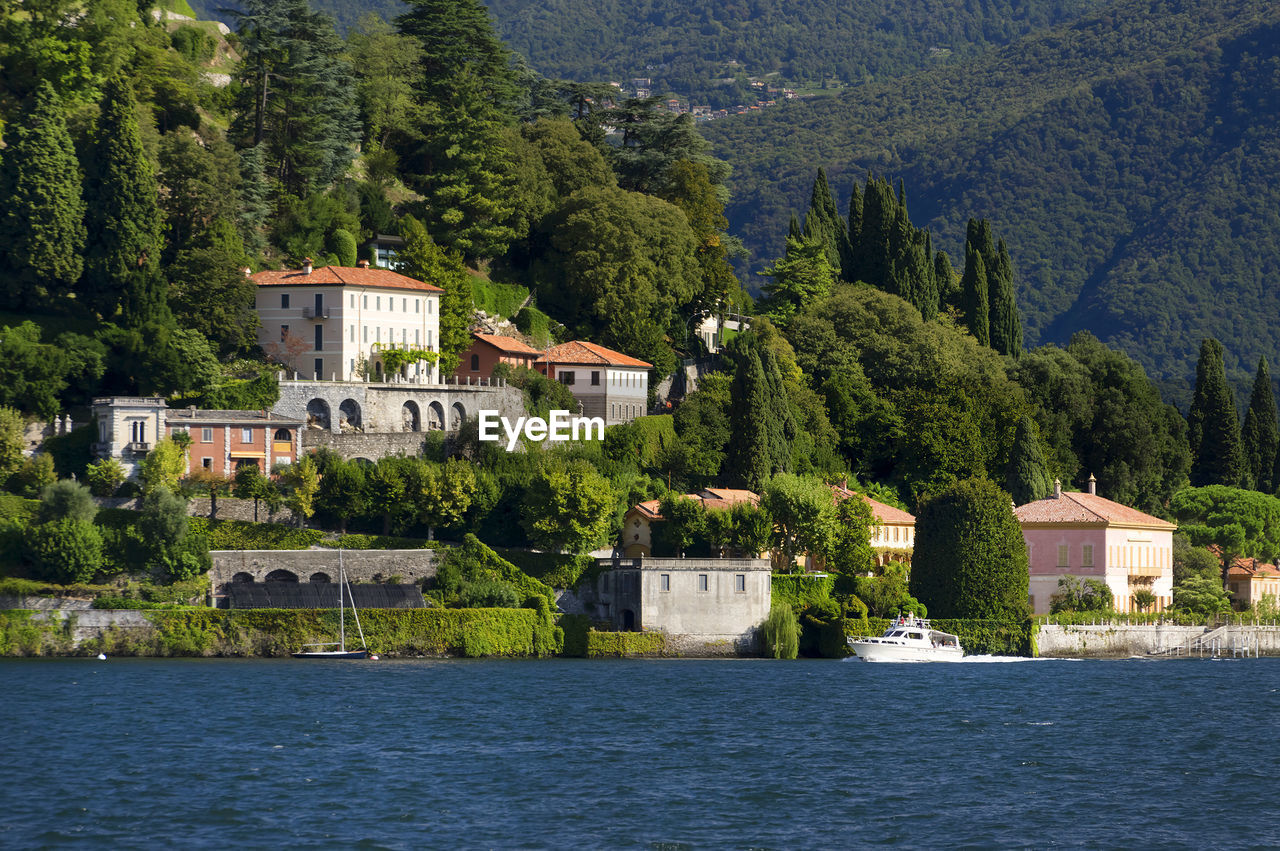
{"points": [[714, 600]]}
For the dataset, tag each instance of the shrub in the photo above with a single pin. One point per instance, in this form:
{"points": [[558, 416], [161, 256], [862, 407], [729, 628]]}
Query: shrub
{"points": [[65, 550], [33, 476], [104, 476], [67, 499], [488, 594], [782, 632], [822, 630]]}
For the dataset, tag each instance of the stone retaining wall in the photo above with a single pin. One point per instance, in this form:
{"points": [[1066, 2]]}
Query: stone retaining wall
{"points": [[92, 623], [361, 565], [229, 508], [1121, 640]]}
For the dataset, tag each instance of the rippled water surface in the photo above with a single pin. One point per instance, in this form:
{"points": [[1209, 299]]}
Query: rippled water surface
{"points": [[666, 754]]}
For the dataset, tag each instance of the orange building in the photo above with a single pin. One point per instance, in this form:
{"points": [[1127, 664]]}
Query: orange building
{"points": [[489, 350]]}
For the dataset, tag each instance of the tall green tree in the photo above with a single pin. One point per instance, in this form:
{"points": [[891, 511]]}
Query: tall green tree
{"points": [[805, 519], [42, 229], [568, 506], [1260, 435], [431, 264], [975, 297], [970, 559], [385, 63], [690, 189], [1238, 522], [1005, 324], [457, 37], [1213, 424], [760, 417], [1028, 478], [297, 94], [801, 276], [823, 221], [123, 216]]}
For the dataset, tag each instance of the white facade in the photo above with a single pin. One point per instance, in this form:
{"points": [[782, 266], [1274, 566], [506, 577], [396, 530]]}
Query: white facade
{"points": [[339, 330], [128, 428]]}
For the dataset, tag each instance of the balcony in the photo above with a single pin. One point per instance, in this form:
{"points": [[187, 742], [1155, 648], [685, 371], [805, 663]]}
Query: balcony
{"points": [[140, 447], [1146, 571], [312, 313]]}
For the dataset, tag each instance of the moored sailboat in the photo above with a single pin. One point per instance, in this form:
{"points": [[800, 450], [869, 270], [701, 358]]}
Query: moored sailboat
{"points": [[344, 594]]}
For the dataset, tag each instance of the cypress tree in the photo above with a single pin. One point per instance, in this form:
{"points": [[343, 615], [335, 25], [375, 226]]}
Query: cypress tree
{"points": [[1005, 326], [793, 230], [848, 262], [1260, 434], [974, 297], [781, 425], [823, 221], [944, 277], [1213, 424], [873, 251], [930, 299], [748, 457], [123, 214], [42, 229], [1027, 476]]}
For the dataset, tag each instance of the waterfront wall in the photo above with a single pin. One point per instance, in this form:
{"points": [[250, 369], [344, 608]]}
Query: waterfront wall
{"points": [[360, 565], [1122, 640]]}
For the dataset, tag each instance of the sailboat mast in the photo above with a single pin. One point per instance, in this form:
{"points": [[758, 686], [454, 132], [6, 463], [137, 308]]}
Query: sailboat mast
{"points": [[342, 606]]}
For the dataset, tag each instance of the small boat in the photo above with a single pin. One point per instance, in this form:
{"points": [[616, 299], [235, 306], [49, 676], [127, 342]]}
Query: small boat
{"points": [[344, 594], [909, 639]]}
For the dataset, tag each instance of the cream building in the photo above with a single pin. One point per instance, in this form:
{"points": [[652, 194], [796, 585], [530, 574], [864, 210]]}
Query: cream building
{"points": [[333, 323]]}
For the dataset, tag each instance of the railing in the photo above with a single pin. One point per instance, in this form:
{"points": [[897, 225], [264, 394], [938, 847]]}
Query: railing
{"points": [[310, 313], [137, 446], [413, 381]]}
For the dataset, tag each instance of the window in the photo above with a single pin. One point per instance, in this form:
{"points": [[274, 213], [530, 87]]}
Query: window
{"points": [[353, 333], [319, 338], [1086, 555], [664, 582], [319, 368], [416, 303], [284, 301], [364, 302], [740, 583], [284, 332], [702, 582], [206, 435], [415, 336], [207, 463], [379, 302], [352, 300], [246, 435], [565, 377], [431, 306], [364, 333], [404, 305], [1062, 555], [319, 304], [595, 378], [138, 431], [475, 363]]}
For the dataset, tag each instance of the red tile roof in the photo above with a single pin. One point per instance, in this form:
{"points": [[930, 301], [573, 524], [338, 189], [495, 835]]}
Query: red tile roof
{"points": [[580, 352], [342, 275], [886, 514], [507, 344], [1251, 567], [711, 498], [1088, 508]]}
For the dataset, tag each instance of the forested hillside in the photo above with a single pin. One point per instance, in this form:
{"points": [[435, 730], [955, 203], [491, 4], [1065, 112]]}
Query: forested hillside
{"points": [[1125, 158], [706, 50]]}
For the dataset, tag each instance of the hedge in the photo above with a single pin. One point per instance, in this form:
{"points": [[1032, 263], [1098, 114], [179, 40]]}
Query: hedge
{"points": [[241, 535], [978, 636], [603, 644], [14, 507], [559, 570], [280, 632], [799, 590]]}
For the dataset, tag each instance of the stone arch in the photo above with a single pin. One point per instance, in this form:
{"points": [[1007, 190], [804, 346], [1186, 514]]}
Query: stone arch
{"points": [[282, 436], [242, 577], [320, 576], [363, 462], [282, 575], [457, 416], [435, 417], [318, 414], [377, 370], [349, 416], [411, 415]]}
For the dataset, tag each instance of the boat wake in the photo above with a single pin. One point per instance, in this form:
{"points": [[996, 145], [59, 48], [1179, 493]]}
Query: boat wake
{"points": [[991, 659]]}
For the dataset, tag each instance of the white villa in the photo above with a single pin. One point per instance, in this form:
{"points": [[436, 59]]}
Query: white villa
{"points": [[332, 323], [606, 383]]}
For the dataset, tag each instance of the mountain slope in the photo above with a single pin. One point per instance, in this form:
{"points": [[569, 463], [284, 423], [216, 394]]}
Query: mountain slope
{"points": [[1124, 158]]}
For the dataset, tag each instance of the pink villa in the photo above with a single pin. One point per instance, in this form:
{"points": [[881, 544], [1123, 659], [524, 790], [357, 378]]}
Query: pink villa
{"points": [[1090, 537]]}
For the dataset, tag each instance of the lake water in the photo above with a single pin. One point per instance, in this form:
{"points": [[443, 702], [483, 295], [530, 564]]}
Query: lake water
{"points": [[638, 754]]}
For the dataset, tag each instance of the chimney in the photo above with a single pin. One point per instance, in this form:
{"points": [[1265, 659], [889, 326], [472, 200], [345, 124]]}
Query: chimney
{"points": [[1093, 484], [1057, 488], [306, 265], [363, 264]]}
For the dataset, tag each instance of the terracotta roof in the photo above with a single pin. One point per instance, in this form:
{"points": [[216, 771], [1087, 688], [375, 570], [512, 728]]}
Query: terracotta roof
{"points": [[712, 498], [352, 276], [580, 352], [886, 514], [726, 497], [506, 344], [1089, 508], [1251, 567]]}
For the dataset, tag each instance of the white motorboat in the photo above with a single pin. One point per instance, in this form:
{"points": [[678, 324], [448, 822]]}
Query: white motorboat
{"points": [[909, 639]]}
